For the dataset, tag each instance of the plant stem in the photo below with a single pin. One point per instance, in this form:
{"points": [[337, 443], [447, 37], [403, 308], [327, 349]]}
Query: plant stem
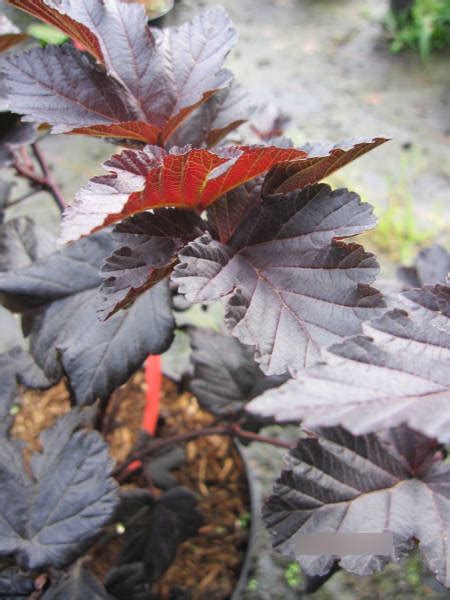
{"points": [[231, 429], [22, 198], [50, 184], [44, 182]]}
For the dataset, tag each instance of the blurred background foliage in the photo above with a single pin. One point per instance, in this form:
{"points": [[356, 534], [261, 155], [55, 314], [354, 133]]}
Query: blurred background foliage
{"points": [[422, 25]]}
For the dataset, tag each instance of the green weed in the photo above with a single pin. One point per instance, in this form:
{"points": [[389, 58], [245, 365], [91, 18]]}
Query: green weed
{"points": [[400, 233], [293, 575], [425, 27]]}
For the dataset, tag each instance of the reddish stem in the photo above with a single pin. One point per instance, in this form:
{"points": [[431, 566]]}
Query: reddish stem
{"points": [[25, 168], [50, 183], [232, 429]]}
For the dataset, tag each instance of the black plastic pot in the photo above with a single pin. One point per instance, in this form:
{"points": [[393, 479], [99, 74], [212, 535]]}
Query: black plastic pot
{"points": [[243, 576]]}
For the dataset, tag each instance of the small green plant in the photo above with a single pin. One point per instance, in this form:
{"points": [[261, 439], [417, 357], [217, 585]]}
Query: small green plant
{"points": [[400, 234], [244, 520], [425, 27], [293, 575], [46, 34]]}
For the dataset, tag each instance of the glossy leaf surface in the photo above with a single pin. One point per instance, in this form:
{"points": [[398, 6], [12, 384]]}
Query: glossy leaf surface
{"points": [[322, 159], [291, 286], [147, 246], [148, 80], [151, 178], [399, 372]]}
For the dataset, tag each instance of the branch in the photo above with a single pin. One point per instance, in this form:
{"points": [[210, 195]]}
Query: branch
{"points": [[44, 182], [50, 184], [231, 429], [28, 194]]}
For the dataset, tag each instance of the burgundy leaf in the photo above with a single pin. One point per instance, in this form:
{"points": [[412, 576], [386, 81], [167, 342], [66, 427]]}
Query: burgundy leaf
{"points": [[22, 242], [147, 246], [431, 302], [192, 56], [154, 529], [61, 86], [225, 375], [334, 482], [292, 287], [321, 160], [153, 178], [226, 214], [150, 81], [212, 121], [75, 18], [52, 509], [77, 584], [66, 336], [400, 374]]}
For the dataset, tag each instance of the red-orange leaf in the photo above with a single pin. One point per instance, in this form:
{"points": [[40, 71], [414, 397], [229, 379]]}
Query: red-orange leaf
{"points": [[321, 160], [126, 130], [152, 178]]}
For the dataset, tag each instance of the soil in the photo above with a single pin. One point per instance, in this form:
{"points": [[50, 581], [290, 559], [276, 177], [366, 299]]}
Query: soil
{"points": [[213, 470]]}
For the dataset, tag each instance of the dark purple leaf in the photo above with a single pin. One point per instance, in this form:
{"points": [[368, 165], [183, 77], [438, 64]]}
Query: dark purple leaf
{"points": [[432, 265], [60, 275], [23, 242], [213, 120], [129, 582], [228, 212], [78, 584], [334, 482], [66, 336], [322, 159], [15, 585], [50, 518], [225, 376], [431, 301], [146, 252], [65, 88], [400, 374], [150, 80], [159, 466], [292, 288], [153, 531]]}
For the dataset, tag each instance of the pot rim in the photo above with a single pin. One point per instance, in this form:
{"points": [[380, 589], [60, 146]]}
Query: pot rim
{"points": [[245, 568]]}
